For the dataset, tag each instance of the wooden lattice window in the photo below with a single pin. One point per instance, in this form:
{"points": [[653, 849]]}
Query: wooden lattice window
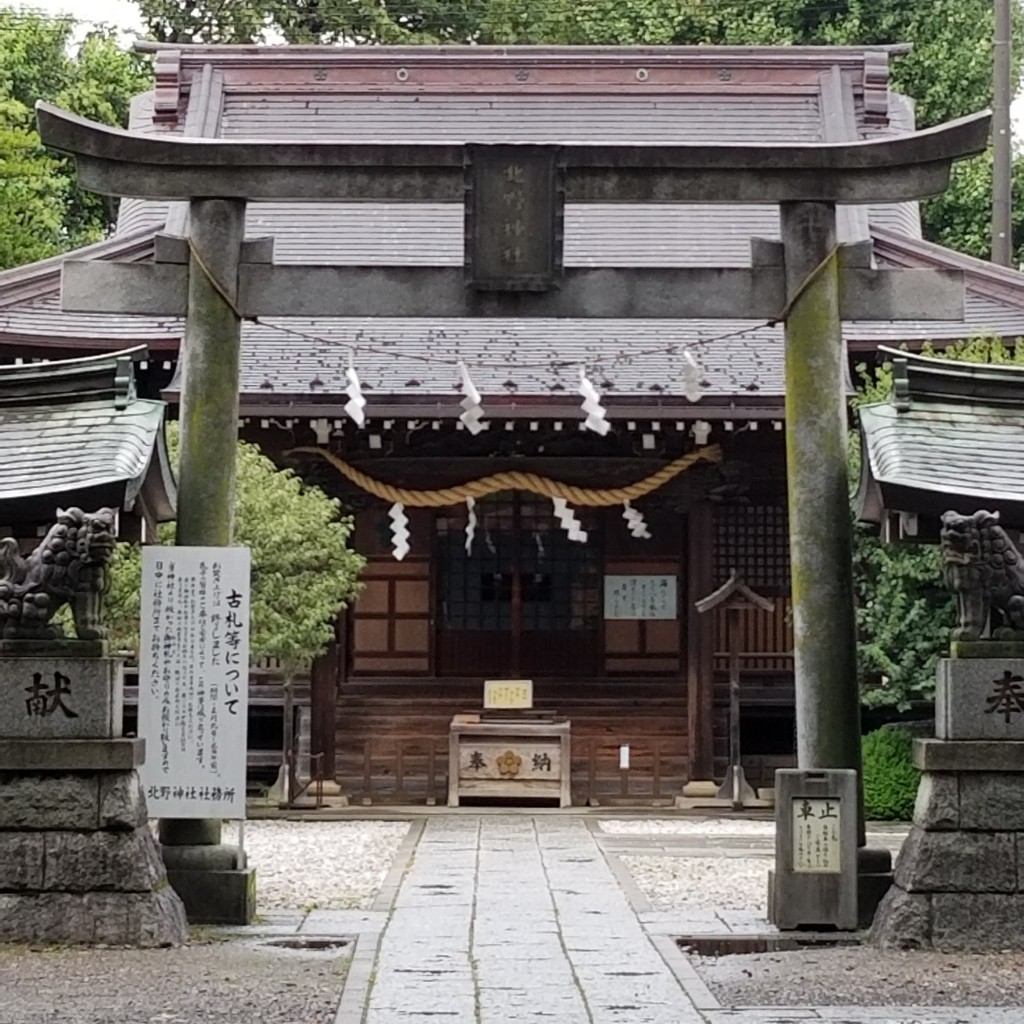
{"points": [[753, 540]]}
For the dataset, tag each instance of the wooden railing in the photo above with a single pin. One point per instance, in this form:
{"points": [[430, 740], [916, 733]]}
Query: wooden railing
{"points": [[414, 770]]}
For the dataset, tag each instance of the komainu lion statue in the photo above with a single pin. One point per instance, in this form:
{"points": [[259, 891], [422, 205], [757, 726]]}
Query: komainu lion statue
{"points": [[985, 571], [70, 567]]}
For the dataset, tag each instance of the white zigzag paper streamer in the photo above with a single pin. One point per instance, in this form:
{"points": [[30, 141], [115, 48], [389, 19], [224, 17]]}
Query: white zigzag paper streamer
{"points": [[471, 403], [568, 521], [596, 413], [691, 377], [470, 524], [399, 530], [356, 404], [635, 521]]}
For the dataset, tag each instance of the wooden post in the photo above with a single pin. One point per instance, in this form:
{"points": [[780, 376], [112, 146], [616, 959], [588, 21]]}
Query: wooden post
{"points": [[289, 774], [211, 354], [735, 794], [700, 754], [325, 676], [824, 647], [733, 595]]}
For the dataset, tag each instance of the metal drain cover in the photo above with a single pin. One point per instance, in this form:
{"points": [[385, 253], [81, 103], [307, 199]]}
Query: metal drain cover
{"points": [[737, 945], [310, 943]]}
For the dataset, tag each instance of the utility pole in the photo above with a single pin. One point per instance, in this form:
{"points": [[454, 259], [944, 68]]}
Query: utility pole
{"points": [[1002, 138]]}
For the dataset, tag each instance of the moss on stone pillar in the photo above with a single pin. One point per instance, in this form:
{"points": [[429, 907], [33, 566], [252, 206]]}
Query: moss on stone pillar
{"points": [[827, 694], [211, 354]]}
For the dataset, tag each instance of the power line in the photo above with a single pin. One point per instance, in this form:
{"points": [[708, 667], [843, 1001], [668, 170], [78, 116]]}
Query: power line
{"points": [[1002, 138], [670, 349]]}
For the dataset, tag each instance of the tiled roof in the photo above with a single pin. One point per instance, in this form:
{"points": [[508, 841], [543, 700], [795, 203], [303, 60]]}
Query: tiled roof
{"points": [[551, 119], [589, 94], [595, 235], [75, 426], [625, 358], [951, 436], [55, 449], [962, 458]]}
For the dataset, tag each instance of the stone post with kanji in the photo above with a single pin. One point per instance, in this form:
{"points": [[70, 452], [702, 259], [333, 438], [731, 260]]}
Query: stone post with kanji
{"points": [[78, 862], [960, 876]]}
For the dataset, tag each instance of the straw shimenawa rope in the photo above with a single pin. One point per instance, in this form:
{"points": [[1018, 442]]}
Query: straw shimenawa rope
{"points": [[542, 485]]}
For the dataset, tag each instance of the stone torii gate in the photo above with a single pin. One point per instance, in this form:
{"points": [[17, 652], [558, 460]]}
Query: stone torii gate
{"points": [[514, 196]]}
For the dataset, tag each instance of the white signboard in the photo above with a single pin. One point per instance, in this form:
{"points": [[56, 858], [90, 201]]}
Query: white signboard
{"points": [[508, 693], [816, 845], [640, 597], [194, 680]]}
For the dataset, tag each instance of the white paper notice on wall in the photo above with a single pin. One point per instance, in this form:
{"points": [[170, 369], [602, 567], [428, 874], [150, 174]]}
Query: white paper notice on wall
{"points": [[194, 680], [640, 597]]}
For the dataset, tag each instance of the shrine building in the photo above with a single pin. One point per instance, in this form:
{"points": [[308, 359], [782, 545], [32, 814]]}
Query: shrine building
{"points": [[662, 440]]}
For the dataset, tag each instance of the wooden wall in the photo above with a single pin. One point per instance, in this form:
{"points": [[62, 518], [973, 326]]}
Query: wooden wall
{"points": [[393, 621]]}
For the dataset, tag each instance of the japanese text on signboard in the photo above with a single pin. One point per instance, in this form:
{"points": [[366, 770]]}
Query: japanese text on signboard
{"points": [[193, 680], [816, 842], [640, 597]]}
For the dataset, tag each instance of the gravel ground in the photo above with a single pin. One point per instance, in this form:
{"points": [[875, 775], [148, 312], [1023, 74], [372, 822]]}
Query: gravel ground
{"points": [[216, 983], [865, 977], [702, 883], [686, 827], [333, 865]]}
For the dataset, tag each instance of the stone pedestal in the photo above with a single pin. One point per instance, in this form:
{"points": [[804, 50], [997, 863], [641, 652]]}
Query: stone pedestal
{"points": [[960, 877], [214, 883], [78, 862]]}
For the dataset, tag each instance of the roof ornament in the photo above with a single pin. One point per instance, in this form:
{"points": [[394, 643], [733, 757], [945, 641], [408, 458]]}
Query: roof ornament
{"points": [[900, 384], [355, 407], [691, 377], [399, 530], [596, 413], [568, 521], [635, 521], [472, 403]]}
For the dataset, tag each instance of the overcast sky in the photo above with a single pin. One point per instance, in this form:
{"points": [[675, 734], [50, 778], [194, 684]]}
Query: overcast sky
{"points": [[124, 14]]}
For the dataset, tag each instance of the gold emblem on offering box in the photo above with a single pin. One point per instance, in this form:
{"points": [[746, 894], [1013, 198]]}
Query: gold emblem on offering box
{"points": [[509, 764]]}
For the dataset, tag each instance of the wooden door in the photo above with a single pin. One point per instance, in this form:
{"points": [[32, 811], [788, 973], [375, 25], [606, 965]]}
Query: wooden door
{"points": [[523, 600]]}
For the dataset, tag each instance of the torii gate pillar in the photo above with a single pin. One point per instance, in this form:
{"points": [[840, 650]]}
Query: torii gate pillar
{"points": [[827, 697], [212, 880]]}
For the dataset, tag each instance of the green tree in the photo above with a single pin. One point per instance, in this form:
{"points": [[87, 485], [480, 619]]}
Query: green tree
{"points": [[962, 217], [32, 190], [904, 613], [42, 210], [303, 571]]}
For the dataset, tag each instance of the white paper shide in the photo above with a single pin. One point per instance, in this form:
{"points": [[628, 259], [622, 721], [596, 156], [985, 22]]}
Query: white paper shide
{"points": [[193, 680]]}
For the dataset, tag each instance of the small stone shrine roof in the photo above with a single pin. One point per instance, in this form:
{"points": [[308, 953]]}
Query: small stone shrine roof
{"points": [[74, 432], [951, 437]]}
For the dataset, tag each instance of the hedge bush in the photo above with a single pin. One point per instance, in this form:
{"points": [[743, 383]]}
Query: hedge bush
{"points": [[890, 778]]}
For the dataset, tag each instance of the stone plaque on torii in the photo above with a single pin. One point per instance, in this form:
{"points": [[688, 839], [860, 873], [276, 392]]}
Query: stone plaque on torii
{"points": [[735, 597], [514, 196]]}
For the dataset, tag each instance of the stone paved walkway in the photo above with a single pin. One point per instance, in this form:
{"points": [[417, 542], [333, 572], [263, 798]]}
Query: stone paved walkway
{"points": [[499, 920], [509, 920]]}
